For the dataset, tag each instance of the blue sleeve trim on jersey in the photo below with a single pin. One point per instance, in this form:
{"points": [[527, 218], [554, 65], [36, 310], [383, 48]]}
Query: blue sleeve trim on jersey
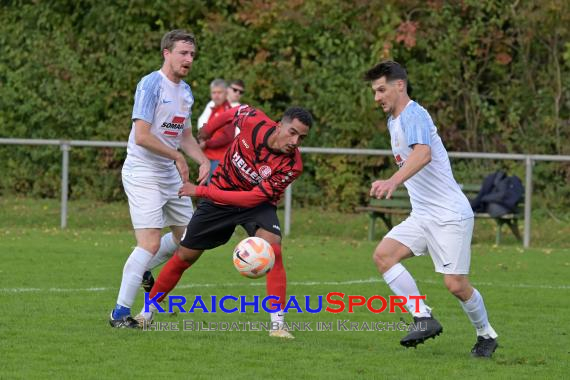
{"points": [[146, 97], [189, 89], [417, 125], [189, 120]]}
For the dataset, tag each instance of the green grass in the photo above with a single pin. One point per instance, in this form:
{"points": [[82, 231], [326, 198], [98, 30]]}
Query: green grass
{"points": [[56, 325]]}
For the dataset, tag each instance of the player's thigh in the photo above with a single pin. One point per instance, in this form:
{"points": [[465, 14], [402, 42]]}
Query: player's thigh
{"points": [[177, 232], [211, 226], [145, 200], [262, 217], [408, 234], [177, 214], [269, 237], [449, 245], [390, 252], [177, 210]]}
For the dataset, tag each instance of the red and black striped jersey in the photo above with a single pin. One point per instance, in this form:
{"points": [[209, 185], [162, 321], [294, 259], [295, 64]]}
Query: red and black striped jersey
{"points": [[250, 172]]}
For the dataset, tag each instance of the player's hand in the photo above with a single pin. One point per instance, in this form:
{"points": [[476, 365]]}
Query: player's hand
{"points": [[202, 144], [182, 168], [204, 172], [202, 135], [383, 188], [187, 190]]}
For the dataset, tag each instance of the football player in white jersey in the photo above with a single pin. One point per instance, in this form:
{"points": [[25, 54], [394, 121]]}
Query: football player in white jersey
{"points": [[155, 169], [441, 220]]}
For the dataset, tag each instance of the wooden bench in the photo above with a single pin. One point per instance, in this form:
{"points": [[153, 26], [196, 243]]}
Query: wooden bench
{"points": [[399, 204]]}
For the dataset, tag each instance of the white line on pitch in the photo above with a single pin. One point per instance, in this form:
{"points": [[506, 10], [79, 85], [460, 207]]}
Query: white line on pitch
{"points": [[291, 283]]}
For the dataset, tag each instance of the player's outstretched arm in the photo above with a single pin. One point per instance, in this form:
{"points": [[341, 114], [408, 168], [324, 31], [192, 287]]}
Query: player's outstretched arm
{"points": [[246, 199], [270, 190], [190, 146]]}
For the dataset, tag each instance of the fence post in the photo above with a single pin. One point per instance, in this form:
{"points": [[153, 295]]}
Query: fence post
{"points": [[65, 147], [527, 200], [288, 196]]}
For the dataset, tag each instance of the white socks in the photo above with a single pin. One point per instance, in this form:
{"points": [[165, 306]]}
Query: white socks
{"points": [[167, 248], [139, 262], [402, 284], [475, 309], [148, 315], [278, 317], [132, 276]]}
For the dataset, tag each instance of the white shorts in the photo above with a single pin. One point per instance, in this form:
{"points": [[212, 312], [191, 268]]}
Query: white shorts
{"points": [[154, 202], [449, 244]]}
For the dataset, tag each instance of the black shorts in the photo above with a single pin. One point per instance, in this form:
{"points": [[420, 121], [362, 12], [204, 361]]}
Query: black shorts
{"points": [[212, 224]]}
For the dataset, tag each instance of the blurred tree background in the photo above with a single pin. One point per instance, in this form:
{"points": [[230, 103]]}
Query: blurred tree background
{"points": [[495, 75]]}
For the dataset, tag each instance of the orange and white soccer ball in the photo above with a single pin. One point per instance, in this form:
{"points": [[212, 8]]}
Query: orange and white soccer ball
{"points": [[253, 257]]}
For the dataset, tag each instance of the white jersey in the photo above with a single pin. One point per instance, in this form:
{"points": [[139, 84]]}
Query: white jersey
{"points": [[434, 193], [167, 107]]}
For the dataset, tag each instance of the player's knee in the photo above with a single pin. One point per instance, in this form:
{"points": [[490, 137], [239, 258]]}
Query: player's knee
{"points": [[382, 259], [276, 240], [269, 237], [188, 255], [454, 289], [150, 246], [457, 286]]}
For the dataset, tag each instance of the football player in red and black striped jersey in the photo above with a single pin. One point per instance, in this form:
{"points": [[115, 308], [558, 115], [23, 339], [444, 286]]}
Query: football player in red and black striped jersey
{"points": [[257, 168], [260, 163]]}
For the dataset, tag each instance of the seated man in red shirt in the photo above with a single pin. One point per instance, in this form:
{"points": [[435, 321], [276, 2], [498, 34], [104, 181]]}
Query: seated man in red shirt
{"points": [[255, 171]]}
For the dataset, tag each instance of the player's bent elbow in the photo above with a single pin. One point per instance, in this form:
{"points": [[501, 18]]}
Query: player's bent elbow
{"points": [[140, 139], [427, 155]]}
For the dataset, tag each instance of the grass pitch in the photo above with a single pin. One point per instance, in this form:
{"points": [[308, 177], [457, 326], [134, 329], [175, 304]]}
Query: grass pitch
{"points": [[58, 287]]}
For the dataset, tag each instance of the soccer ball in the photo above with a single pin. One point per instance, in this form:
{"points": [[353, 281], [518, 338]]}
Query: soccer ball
{"points": [[253, 257]]}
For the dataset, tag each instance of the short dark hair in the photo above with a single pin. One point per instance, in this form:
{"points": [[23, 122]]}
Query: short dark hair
{"points": [[298, 113], [238, 82], [392, 70], [389, 69], [170, 38]]}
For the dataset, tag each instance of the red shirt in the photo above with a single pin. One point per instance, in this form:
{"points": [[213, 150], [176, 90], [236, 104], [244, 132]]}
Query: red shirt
{"points": [[251, 172], [217, 145]]}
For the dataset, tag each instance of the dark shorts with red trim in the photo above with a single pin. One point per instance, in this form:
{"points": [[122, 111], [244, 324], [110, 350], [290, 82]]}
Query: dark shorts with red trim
{"points": [[213, 224]]}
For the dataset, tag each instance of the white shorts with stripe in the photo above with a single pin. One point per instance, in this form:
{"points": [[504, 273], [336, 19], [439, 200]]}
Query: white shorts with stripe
{"points": [[154, 202], [448, 244]]}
